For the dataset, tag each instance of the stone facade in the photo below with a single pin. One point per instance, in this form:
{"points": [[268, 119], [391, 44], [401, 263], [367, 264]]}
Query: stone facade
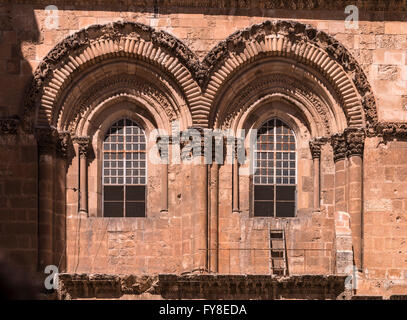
{"points": [[226, 65]]}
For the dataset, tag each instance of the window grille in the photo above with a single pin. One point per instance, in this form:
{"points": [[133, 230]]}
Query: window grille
{"points": [[275, 172], [124, 170]]}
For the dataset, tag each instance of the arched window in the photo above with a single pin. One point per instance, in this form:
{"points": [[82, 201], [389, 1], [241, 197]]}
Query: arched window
{"points": [[124, 170], [275, 174]]}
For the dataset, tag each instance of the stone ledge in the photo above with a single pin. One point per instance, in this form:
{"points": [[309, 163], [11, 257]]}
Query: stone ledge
{"points": [[200, 286], [398, 297], [367, 298]]}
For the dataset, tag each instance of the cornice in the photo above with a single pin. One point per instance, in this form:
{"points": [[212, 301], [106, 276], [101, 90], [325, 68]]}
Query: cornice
{"points": [[397, 130], [366, 5]]}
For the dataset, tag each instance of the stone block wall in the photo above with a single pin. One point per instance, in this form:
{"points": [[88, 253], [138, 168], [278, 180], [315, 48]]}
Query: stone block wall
{"points": [[160, 242], [379, 43], [18, 199], [163, 242], [384, 219]]}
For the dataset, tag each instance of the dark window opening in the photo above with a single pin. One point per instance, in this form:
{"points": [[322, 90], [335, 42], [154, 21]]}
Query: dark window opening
{"points": [[124, 170], [274, 178]]}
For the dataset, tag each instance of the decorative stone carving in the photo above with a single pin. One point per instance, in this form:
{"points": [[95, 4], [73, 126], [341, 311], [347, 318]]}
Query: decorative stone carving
{"points": [[276, 83], [369, 106], [187, 286], [349, 143], [64, 146], [390, 130], [82, 39], [47, 139], [124, 85], [120, 32], [355, 140], [9, 125], [315, 147], [339, 147], [197, 144], [83, 146], [299, 35]]}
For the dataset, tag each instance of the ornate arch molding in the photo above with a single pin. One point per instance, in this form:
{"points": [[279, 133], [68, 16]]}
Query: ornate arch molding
{"points": [[115, 86], [258, 113], [283, 87], [288, 39], [303, 44], [91, 45], [113, 109]]}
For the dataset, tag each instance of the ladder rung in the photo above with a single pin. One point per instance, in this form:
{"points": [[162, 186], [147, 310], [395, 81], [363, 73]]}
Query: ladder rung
{"points": [[277, 238]]}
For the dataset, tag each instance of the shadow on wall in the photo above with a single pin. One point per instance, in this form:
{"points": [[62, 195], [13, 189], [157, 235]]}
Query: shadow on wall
{"points": [[18, 162], [16, 283], [19, 34]]}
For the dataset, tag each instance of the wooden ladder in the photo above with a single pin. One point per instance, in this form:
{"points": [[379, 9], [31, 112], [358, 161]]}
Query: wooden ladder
{"points": [[278, 252]]}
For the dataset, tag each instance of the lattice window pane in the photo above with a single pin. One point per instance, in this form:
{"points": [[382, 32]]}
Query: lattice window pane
{"points": [[124, 164], [275, 165]]}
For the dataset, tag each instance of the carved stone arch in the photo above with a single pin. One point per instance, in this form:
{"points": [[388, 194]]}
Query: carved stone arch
{"points": [[305, 46], [324, 119], [139, 108], [73, 56], [294, 112], [158, 103]]}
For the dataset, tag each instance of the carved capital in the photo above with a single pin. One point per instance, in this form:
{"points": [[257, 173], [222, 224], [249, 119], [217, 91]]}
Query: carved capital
{"points": [[198, 140], [64, 147], [9, 125], [355, 140], [239, 149], [83, 146], [47, 139], [315, 147], [339, 147]]}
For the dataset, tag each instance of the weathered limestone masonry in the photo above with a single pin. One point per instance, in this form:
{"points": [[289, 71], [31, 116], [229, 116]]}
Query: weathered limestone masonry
{"points": [[169, 286], [209, 64], [18, 194]]}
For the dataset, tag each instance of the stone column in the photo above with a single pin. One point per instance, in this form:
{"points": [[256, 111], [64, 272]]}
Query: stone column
{"points": [[163, 148], [338, 143], [200, 200], [235, 204], [200, 204], [214, 219], [238, 147], [47, 139], [164, 186], [83, 148], [315, 147], [355, 145], [64, 153], [218, 158]]}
